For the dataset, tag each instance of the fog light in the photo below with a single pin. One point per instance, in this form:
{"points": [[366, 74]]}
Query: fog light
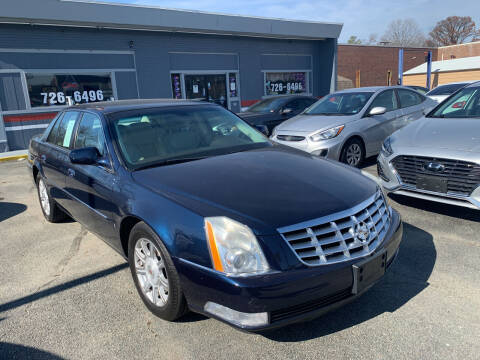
{"points": [[321, 152], [236, 317]]}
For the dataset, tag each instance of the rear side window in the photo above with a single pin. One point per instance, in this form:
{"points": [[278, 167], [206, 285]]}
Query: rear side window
{"points": [[386, 99], [409, 98], [90, 133], [62, 132], [52, 136]]}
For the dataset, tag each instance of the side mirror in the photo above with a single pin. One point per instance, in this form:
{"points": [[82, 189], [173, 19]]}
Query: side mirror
{"points": [[378, 110], [286, 111], [84, 156], [263, 129]]}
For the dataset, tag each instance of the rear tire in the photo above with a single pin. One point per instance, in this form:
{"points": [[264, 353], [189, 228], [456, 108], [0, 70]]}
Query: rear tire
{"points": [[51, 211], [154, 274], [353, 153]]}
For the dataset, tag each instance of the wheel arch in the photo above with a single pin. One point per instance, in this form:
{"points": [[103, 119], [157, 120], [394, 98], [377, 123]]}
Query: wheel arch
{"points": [[126, 226]]}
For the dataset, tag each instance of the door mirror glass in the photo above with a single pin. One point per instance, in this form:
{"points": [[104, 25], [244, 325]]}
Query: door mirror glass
{"points": [[84, 156], [378, 110], [263, 129]]}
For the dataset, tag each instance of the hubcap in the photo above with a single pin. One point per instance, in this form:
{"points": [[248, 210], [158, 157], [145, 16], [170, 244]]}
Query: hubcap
{"points": [[44, 202], [151, 272], [354, 154]]}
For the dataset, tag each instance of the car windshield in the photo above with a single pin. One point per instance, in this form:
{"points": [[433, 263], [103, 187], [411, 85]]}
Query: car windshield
{"points": [[349, 103], [267, 105], [446, 89], [159, 136], [464, 104]]}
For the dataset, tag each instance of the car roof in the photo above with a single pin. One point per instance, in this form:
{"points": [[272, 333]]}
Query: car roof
{"points": [[474, 83], [123, 105]]}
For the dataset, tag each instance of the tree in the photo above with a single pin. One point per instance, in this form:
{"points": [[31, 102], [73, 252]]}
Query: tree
{"points": [[405, 33], [354, 40], [454, 30], [372, 39]]}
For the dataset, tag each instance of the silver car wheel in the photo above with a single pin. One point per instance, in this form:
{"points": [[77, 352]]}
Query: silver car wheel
{"points": [[354, 154], [44, 200], [151, 272]]}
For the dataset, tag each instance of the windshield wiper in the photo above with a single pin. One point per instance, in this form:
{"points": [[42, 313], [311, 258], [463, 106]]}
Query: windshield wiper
{"points": [[170, 162]]}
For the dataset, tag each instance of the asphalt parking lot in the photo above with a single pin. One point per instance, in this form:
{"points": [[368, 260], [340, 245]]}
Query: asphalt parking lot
{"points": [[65, 294]]}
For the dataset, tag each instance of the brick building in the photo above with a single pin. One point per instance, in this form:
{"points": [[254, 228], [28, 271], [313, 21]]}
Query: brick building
{"points": [[375, 63], [458, 51]]}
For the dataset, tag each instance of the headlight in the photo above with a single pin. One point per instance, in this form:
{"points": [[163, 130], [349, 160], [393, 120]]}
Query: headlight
{"points": [[274, 132], [327, 134], [233, 247], [387, 148]]}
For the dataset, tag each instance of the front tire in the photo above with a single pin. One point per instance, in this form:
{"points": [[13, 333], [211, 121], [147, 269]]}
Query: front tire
{"points": [[154, 274], [353, 153], [50, 209]]}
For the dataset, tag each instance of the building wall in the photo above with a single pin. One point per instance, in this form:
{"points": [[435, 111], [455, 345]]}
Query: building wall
{"points": [[442, 78], [141, 63], [459, 51], [374, 62]]}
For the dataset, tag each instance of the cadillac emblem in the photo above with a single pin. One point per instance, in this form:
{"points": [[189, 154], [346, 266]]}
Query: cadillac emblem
{"points": [[361, 232]]}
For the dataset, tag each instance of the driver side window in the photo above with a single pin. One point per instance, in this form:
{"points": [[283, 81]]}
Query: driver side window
{"points": [[90, 133], [386, 99]]}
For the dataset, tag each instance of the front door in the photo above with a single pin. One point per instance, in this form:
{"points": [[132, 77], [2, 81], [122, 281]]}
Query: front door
{"points": [[209, 87]]}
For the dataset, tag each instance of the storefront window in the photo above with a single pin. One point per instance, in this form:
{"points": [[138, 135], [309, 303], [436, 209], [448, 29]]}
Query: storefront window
{"points": [[280, 83], [176, 86], [55, 89]]}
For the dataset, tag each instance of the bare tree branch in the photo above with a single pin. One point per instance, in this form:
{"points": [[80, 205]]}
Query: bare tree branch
{"points": [[404, 33]]}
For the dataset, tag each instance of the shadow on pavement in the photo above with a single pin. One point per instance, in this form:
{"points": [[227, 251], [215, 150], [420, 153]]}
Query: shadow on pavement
{"points": [[439, 208], [8, 210], [406, 278], [62, 287], [372, 160], [15, 351]]}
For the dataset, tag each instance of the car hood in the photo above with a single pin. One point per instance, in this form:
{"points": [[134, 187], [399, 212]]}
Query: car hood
{"points": [[310, 123], [253, 117], [440, 133], [264, 189]]}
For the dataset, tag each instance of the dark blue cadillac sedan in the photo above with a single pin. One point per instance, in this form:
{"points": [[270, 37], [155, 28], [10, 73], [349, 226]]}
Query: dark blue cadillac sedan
{"points": [[211, 215]]}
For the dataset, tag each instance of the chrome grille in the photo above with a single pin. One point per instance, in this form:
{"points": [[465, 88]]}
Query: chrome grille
{"points": [[340, 237], [462, 176]]}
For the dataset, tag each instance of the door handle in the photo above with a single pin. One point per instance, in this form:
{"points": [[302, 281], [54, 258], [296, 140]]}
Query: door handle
{"points": [[43, 158], [71, 172]]}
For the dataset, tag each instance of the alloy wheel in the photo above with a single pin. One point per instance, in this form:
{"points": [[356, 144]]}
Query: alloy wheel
{"points": [[151, 272], [44, 199], [354, 154]]}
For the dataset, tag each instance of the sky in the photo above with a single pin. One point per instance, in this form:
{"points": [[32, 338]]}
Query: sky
{"points": [[360, 17]]}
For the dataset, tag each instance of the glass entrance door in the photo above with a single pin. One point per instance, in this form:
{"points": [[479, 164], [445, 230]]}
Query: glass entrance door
{"points": [[211, 87]]}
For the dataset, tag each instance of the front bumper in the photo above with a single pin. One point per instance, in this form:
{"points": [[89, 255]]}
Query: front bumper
{"points": [[290, 296], [330, 149], [390, 181]]}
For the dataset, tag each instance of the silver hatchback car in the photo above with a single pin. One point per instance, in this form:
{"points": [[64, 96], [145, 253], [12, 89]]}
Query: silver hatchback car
{"points": [[352, 124], [438, 157]]}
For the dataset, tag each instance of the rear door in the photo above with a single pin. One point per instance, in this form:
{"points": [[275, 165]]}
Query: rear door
{"points": [[54, 156], [379, 127], [412, 104], [91, 186]]}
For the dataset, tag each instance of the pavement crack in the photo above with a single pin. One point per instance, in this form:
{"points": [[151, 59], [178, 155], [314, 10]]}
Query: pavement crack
{"points": [[74, 247]]}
